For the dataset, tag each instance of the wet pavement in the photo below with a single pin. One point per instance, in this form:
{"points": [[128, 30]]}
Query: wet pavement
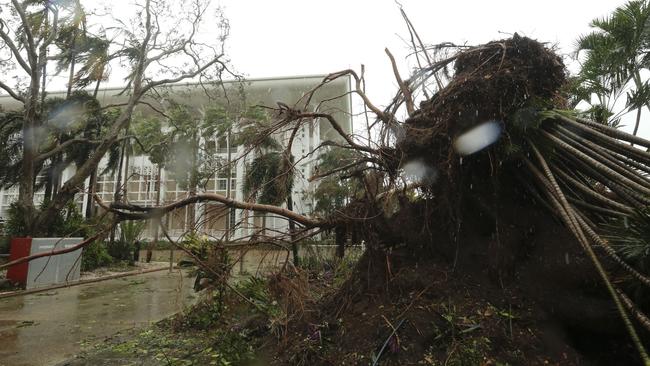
{"points": [[49, 327]]}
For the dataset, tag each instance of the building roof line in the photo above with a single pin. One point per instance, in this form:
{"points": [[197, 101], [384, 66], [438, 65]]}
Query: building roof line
{"points": [[226, 81]]}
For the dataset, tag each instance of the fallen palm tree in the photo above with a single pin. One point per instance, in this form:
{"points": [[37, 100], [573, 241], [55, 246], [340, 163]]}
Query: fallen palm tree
{"points": [[494, 140], [586, 173], [508, 94]]}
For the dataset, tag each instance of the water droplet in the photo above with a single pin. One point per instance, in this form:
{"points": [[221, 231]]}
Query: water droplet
{"points": [[478, 138]]}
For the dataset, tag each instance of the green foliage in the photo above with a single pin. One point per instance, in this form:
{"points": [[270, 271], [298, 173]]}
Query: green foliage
{"points": [[216, 122], [456, 340], [254, 127], [130, 232], [269, 179], [15, 226], [256, 289], [162, 345], [204, 315], [601, 114], [73, 222], [68, 222], [321, 261], [120, 250], [197, 244], [5, 244], [630, 237], [152, 140], [95, 255], [615, 54], [184, 143], [79, 116], [11, 151], [5, 240], [334, 191]]}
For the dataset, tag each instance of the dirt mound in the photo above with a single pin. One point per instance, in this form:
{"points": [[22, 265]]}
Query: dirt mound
{"points": [[508, 288], [427, 314]]}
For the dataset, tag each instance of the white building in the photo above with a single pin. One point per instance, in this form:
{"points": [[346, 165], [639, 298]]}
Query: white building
{"points": [[211, 218]]}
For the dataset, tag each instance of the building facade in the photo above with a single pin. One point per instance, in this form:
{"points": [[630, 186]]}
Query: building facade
{"points": [[146, 184]]}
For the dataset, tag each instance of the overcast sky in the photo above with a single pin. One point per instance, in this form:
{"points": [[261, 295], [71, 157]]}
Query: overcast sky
{"points": [[286, 37], [271, 38]]}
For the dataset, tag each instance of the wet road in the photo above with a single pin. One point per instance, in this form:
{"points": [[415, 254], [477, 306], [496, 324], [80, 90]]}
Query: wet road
{"points": [[49, 327]]}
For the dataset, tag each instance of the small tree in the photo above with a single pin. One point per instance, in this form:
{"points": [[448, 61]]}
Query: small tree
{"points": [[616, 54], [161, 39]]}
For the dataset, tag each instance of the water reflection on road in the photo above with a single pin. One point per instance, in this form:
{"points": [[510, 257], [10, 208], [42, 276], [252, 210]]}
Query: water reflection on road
{"points": [[45, 328]]}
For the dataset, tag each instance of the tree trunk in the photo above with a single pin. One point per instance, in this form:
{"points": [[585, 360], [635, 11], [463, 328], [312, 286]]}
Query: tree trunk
{"points": [[56, 176], [117, 196], [340, 241], [96, 91], [72, 62], [193, 183], [90, 203], [30, 150], [228, 187], [638, 120], [48, 184], [292, 231], [639, 84], [156, 225], [127, 159]]}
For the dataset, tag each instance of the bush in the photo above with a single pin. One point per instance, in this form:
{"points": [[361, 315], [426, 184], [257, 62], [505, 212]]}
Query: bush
{"points": [[68, 222], [5, 240], [15, 226], [130, 232], [95, 255], [121, 250], [5, 246]]}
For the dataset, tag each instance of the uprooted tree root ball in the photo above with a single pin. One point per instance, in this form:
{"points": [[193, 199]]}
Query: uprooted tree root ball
{"points": [[491, 82], [524, 211]]}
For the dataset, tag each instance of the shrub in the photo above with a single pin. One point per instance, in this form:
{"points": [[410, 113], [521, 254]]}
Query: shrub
{"points": [[120, 250], [15, 225], [5, 242], [68, 222], [4, 239], [130, 231], [95, 255]]}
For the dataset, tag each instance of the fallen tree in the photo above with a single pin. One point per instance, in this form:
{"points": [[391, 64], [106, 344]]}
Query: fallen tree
{"points": [[491, 174]]}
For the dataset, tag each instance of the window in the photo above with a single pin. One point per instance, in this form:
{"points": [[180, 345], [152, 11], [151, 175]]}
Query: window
{"points": [[211, 185], [222, 184], [223, 146], [233, 220]]}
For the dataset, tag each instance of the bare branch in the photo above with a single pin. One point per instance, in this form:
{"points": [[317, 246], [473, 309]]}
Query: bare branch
{"points": [[134, 212], [66, 144], [31, 46], [11, 92], [12, 46], [190, 75], [358, 90], [410, 107]]}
